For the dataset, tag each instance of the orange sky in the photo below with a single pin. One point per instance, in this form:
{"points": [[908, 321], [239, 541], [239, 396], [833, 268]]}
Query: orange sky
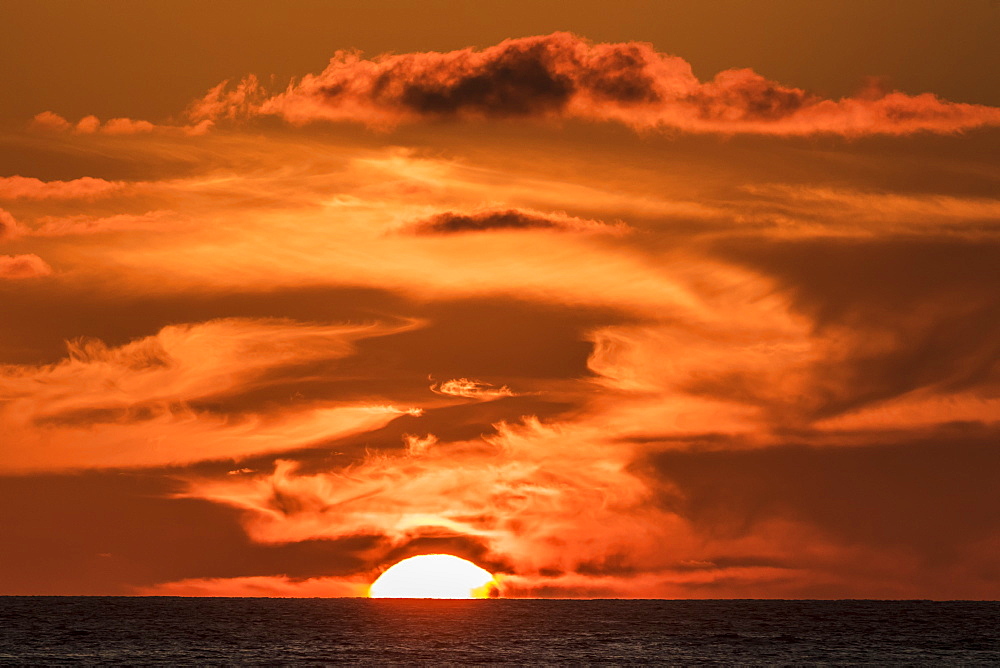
{"points": [[676, 300]]}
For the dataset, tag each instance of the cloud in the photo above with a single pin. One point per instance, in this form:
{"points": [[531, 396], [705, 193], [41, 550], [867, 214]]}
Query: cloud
{"points": [[561, 511], [223, 102], [694, 379], [929, 493], [563, 76], [539, 188], [889, 317], [807, 211], [833, 332], [58, 226], [9, 227], [21, 187], [23, 266], [48, 121], [487, 220], [415, 445], [271, 586], [534, 495], [471, 389], [137, 404]]}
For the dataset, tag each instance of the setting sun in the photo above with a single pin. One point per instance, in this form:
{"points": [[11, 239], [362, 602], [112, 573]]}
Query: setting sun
{"points": [[434, 576]]}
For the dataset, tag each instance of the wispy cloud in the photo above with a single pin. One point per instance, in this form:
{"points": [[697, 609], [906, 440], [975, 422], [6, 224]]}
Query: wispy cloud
{"points": [[471, 389], [134, 405]]}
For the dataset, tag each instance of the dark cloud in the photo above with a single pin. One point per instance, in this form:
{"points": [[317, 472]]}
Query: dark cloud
{"points": [[743, 95], [516, 82], [453, 222], [430, 541], [511, 219], [932, 493], [105, 533], [922, 313]]}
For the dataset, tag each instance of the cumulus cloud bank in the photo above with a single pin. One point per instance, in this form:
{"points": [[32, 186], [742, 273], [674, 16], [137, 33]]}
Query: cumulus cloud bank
{"points": [[563, 76]]}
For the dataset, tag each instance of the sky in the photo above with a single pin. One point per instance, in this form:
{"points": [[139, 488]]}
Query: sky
{"points": [[664, 299]]}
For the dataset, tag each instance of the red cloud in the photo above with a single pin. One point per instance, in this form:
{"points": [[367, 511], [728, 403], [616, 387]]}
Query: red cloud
{"points": [[561, 75]]}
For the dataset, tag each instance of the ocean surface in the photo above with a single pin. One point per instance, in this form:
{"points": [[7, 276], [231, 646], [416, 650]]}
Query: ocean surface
{"points": [[247, 631]]}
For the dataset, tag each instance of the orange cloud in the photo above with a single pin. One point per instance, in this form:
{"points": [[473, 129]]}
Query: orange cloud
{"points": [[274, 586], [471, 389], [781, 317], [9, 227], [797, 210], [522, 492], [48, 121], [562, 512], [561, 75], [57, 226], [23, 266], [132, 405], [21, 187]]}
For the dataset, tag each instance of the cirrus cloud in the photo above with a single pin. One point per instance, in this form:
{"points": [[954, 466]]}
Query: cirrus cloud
{"points": [[99, 406]]}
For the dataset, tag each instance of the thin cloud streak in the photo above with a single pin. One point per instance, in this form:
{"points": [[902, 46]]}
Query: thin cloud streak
{"points": [[279, 586]]}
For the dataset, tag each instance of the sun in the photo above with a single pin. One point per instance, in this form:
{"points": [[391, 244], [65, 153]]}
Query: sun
{"points": [[434, 576]]}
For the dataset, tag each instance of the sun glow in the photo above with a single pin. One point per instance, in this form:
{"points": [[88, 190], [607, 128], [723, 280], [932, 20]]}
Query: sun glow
{"points": [[434, 576]]}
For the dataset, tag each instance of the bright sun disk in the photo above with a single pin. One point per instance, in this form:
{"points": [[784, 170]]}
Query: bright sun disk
{"points": [[434, 576]]}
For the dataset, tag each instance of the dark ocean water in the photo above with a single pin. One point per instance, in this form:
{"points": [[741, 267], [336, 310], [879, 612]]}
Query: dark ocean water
{"points": [[200, 631]]}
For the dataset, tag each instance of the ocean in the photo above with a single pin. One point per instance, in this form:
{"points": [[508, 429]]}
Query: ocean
{"points": [[265, 631]]}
